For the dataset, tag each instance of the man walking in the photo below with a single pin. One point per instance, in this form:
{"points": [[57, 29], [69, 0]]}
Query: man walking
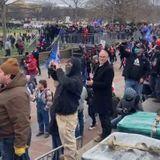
{"points": [[14, 111], [102, 98], [7, 48]]}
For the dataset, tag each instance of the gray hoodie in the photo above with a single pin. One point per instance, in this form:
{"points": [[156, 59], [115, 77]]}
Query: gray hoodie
{"points": [[84, 96]]}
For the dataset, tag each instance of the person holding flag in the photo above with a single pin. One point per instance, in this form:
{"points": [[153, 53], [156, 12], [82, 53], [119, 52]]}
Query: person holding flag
{"points": [[69, 88], [54, 56]]}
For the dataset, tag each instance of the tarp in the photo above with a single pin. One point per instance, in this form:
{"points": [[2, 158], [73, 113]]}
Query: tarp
{"points": [[141, 123], [102, 151]]}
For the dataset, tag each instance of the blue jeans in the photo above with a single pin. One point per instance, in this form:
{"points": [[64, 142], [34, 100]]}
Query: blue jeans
{"points": [[8, 150], [80, 126], [0, 148], [116, 120], [56, 142], [43, 120], [153, 84], [157, 87], [135, 85]]}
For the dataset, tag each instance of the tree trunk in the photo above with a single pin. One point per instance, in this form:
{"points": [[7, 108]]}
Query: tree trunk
{"points": [[4, 21], [75, 13]]}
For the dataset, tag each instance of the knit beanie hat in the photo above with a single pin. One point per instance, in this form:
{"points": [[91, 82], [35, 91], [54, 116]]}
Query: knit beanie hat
{"points": [[10, 66], [130, 94]]}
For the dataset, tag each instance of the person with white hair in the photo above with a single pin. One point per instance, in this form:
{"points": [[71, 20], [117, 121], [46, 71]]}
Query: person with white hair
{"points": [[102, 96]]}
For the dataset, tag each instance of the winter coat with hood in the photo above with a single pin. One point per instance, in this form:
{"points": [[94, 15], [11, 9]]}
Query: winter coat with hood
{"points": [[15, 111], [69, 89], [136, 67]]}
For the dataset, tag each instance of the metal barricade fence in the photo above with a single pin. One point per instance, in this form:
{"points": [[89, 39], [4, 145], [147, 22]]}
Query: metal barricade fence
{"points": [[49, 155], [93, 38]]}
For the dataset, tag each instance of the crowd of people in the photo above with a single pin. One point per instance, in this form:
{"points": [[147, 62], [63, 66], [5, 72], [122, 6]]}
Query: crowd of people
{"points": [[16, 41], [89, 33], [89, 78], [76, 33]]}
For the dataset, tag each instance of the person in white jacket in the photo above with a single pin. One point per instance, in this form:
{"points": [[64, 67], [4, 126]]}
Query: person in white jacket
{"points": [[80, 126]]}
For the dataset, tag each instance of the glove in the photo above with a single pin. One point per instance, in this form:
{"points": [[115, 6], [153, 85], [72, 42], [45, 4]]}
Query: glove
{"points": [[20, 151]]}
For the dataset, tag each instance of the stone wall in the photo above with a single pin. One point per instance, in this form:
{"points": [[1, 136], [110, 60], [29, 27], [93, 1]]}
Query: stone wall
{"points": [[44, 55]]}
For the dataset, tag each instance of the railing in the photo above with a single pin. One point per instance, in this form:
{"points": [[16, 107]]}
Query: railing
{"points": [[49, 155], [94, 38]]}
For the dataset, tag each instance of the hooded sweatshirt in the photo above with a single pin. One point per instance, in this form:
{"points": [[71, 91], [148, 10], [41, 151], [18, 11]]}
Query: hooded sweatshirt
{"points": [[15, 111], [69, 89]]}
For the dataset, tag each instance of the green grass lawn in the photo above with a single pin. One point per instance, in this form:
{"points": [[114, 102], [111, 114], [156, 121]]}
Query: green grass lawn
{"points": [[15, 30], [28, 47]]}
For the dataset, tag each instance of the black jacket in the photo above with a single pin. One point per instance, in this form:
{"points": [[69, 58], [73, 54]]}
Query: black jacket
{"points": [[136, 67], [68, 92], [155, 62], [102, 87]]}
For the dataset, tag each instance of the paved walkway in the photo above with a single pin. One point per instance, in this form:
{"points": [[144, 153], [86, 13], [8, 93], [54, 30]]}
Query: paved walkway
{"points": [[41, 145]]}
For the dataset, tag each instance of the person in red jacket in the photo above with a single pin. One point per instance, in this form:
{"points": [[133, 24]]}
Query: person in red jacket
{"points": [[32, 65], [32, 70], [85, 35]]}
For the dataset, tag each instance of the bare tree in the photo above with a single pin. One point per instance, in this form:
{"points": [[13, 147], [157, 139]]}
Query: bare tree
{"points": [[123, 10], [75, 4], [3, 9], [3, 5]]}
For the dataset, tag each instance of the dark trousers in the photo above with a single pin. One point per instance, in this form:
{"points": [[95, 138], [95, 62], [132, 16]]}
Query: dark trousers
{"points": [[157, 87], [56, 142], [43, 120], [8, 52], [0, 148], [20, 51], [105, 124], [39, 70], [153, 84], [7, 150], [92, 114]]}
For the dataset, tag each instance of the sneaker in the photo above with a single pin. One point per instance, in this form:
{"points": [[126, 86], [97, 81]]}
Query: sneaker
{"points": [[92, 127], [98, 139], [39, 134], [46, 135]]}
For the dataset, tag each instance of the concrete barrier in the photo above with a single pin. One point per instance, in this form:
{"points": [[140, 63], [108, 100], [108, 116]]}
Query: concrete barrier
{"points": [[66, 53]]}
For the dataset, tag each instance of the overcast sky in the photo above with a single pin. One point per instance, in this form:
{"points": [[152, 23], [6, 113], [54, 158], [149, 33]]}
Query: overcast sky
{"points": [[39, 1], [60, 2]]}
